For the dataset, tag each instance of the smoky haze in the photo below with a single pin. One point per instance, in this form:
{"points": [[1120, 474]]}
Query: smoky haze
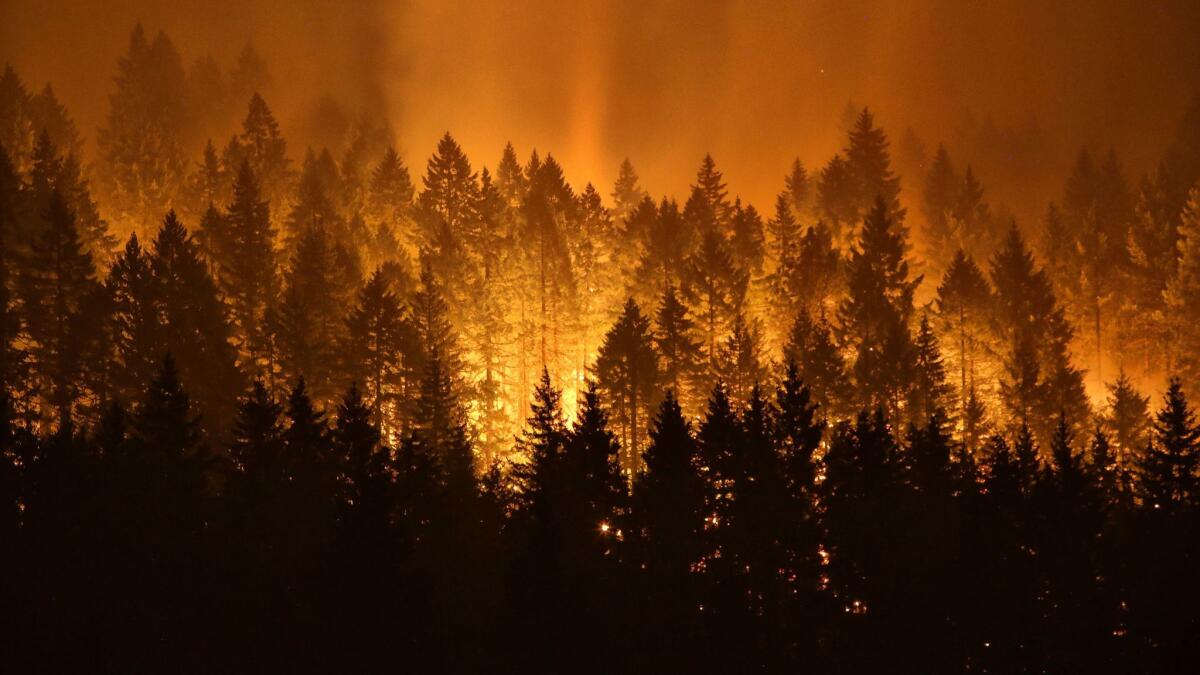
{"points": [[756, 84]]}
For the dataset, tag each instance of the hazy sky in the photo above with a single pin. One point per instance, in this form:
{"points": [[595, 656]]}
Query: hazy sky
{"points": [[755, 83]]}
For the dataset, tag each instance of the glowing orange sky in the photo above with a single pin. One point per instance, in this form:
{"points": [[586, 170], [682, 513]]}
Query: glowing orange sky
{"points": [[754, 83]]}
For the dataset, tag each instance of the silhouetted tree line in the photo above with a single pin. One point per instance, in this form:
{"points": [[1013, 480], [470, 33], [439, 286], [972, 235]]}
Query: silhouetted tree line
{"points": [[758, 537], [330, 419]]}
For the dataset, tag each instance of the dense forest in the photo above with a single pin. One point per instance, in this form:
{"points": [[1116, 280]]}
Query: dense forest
{"points": [[275, 412]]}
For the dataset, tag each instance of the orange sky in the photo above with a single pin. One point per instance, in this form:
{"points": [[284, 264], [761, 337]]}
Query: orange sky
{"points": [[755, 83]]}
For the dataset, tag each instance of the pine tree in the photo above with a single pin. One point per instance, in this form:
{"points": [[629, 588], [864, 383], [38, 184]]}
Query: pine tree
{"points": [[56, 286], [249, 74], [747, 238], [960, 313], [437, 341], [390, 195], [627, 373], [1035, 336], [165, 421], [440, 420], [1167, 470], [262, 146], [510, 179], [836, 194], [930, 393], [715, 287], [670, 495], [257, 445], [310, 317], [142, 164], [136, 314], [869, 165], [1182, 292], [13, 361], [209, 184], [1127, 419], [17, 129], [247, 273], [939, 195], [677, 349], [717, 441], [711, 188], [355, 444], [313, 205], [50, 172], [661, 241], [374, 347], [592, 467], [861, 468], [626, 194], [450, 195], [798, 186], [741, 362], [542, 444], [194, 323], [820, 363], [874, 318]]}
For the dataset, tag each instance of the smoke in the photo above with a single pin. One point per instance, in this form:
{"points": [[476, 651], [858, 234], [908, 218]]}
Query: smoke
{"points": [[756, 84]]}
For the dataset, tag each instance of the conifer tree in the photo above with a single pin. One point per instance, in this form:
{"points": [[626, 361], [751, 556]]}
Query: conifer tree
{"points": [[374, 350], [940, 194], [13, 358], [869, 165], [261, 145], [56, 287], [449, 198], [313, 205], [626, 194], [670, 496], [712, 190], [141, 152], [257, 443], [798, 186], [1182, 292], [17, 129], [960, 313], [247, 273], [627, 373], [820, 364], [436, 340], [390, 194], [194, 323], [715, 287], [592, 467], [364, 463], [210, 183], [930, 392], [1167, 470], [50, 172], [740, 360], [136, 315], [1035, 337], [874, 317], [510, 179], [542, 443], [677, 349], [718, 441], [747, 238], [662, 242], [1127, 419], [311, 316], [836, 195]]}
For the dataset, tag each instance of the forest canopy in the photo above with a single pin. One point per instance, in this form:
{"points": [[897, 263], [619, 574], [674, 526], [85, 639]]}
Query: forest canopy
{"points": [[252, 389]]}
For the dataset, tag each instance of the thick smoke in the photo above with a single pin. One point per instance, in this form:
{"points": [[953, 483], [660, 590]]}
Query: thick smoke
{"points": [[754, 83]]}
